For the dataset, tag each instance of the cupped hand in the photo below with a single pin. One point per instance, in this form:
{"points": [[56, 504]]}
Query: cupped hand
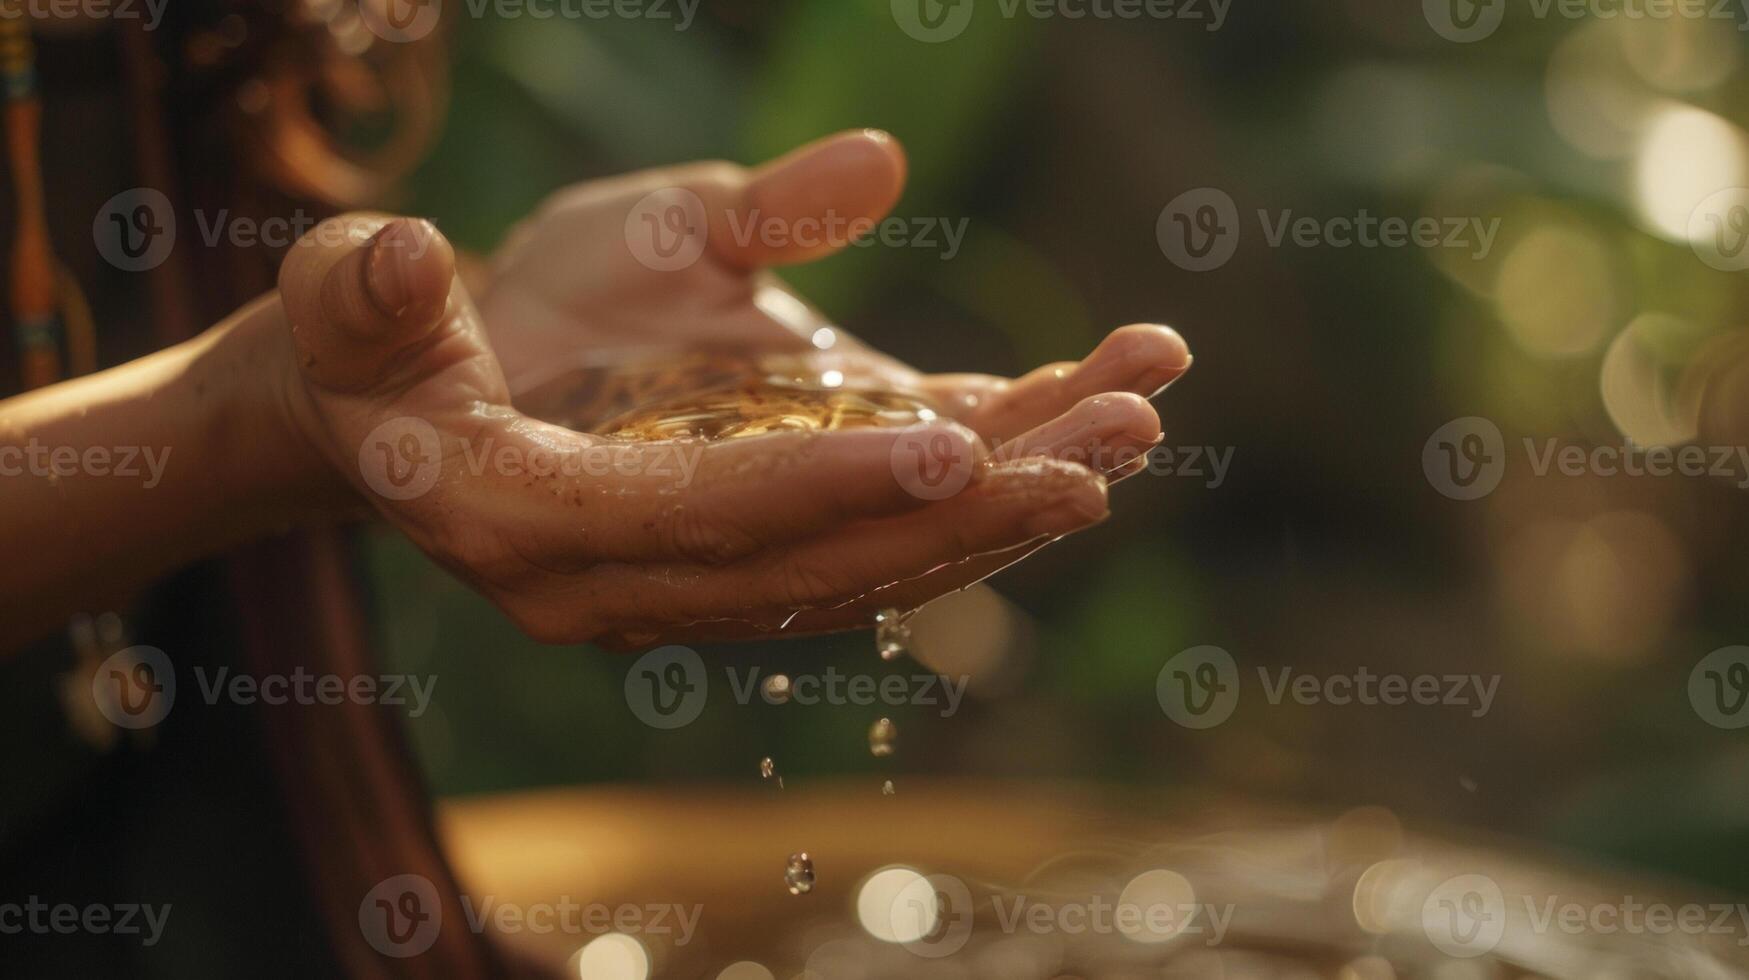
{"points": [[675, 260], [581, 538]]}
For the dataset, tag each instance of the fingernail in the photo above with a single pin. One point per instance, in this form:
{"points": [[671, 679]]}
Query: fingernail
{"points": [[393, 252]]}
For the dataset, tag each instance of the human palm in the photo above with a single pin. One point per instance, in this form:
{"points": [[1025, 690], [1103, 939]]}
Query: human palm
{"points": [[801, 531]]}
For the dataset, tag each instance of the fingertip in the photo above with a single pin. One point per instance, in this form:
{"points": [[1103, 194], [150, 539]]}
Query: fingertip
{"points": [[853, 178], [1123, 413], [409, 269]]}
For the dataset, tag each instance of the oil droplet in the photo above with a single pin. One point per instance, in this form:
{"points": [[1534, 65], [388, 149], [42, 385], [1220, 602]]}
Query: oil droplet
{"points": [[880, 738], [799, 873], [776, 688], [892, 636], [767, 768], [887, 788]]}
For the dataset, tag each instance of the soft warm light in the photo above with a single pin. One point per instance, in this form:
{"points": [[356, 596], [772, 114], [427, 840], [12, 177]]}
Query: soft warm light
{"points": [[1593, 100], [1164, 899], [897, 905], [782, 305], [745, 970], [615, 956], [1686, 156], [1637, 384], [1607, 587], [1682, 54], [974, 633], [831, 379], [1554, 292], [1368, 968]]}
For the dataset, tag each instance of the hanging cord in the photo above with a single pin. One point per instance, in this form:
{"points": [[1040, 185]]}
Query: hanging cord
{"points": [[45, 297]]}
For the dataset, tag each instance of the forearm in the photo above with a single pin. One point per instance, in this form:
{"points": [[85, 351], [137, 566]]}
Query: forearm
{"points": [[111, 480]]}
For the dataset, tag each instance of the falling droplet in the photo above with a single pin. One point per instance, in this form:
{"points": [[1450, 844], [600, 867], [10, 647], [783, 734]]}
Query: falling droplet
{"points": [[892, 636], [767, 768], [776, 688], [880, 738], [799, 873], [887, 788]]}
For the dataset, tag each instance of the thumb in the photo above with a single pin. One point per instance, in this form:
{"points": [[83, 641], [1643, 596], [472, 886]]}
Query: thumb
{"points": [[814, 200], [359, 291]]}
